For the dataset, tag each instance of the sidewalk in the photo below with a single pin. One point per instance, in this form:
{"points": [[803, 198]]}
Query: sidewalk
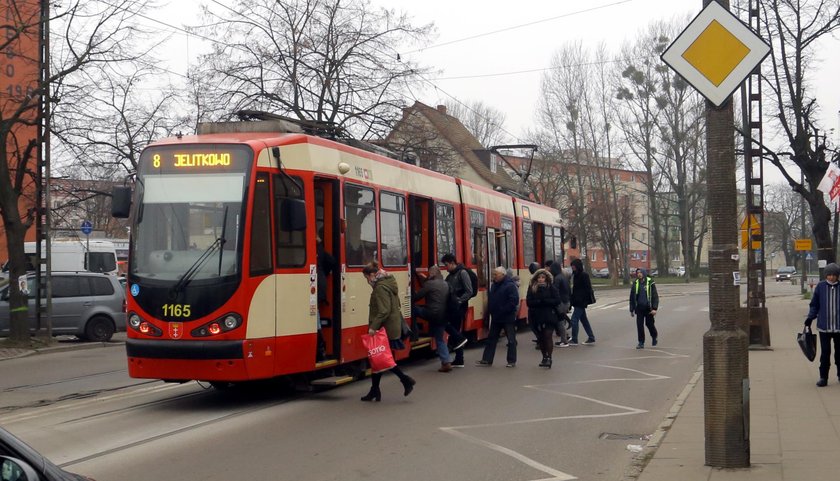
{"points": [[61, 344], [794, 425]]}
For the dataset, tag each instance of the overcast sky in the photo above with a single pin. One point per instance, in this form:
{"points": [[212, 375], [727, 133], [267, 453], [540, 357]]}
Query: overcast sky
{"points": [[495, 51]]}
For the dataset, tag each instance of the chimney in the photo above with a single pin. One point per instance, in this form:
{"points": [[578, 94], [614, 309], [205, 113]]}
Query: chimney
{"points": [[441, 109]]}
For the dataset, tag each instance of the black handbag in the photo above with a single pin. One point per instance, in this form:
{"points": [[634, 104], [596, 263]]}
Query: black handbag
{"points": [[807, 341]]}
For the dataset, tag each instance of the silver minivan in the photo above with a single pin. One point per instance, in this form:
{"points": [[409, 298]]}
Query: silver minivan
{"points": [[88, 305]]}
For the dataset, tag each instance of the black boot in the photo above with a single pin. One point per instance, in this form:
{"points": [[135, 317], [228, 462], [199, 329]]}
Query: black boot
{"points": [[546, 362], [408, 383], [373, 395]]}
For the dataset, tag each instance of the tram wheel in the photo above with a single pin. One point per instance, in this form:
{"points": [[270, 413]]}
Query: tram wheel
{"points": [[223, 385]]}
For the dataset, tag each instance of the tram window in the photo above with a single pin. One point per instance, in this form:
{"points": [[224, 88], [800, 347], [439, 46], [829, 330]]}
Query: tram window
{"points": [[479, 249], [528, 255], [360, 215], [506, 241], [291, 243], [392, 220], [261, 227], [445, 223], [549, 245]]}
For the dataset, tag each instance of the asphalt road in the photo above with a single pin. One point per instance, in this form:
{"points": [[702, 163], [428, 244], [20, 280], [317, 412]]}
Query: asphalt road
{"points": [[575, 420]]}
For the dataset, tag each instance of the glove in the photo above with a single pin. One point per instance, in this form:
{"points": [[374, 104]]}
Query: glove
{"points": [[808, 322]]}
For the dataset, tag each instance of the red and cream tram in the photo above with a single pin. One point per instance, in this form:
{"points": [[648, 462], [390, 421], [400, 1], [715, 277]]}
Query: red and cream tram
{"points": [[222, 282]]}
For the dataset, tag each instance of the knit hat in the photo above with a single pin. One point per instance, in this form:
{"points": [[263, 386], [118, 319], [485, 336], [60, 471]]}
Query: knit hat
{"points": [[832, 270]]}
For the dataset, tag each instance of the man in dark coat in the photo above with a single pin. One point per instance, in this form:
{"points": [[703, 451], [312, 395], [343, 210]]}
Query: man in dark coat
{"points": [[461, 290], [825, 308], [502, 304], [581, 298], [644, 301], [562, 284], [436, 293]]}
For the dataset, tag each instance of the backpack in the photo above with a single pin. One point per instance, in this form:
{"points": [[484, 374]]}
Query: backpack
{"points": [[473, 281]]}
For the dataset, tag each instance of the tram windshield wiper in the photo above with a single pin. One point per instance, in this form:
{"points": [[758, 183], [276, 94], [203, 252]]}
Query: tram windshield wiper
{"points": [[217, 244]]}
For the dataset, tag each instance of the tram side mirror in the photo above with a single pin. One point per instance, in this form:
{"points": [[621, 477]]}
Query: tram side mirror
{"points": [[120, 202], [293, 214]]}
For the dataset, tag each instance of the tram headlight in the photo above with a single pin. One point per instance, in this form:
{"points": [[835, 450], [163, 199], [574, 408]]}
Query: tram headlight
{"points": [[225, 323], [134, 320]]}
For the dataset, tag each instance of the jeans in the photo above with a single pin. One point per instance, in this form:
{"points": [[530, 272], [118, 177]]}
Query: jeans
{"points": [[436, 330], [493, 339], [825, 353], [453, 328], [644, 318], [579, 315]]}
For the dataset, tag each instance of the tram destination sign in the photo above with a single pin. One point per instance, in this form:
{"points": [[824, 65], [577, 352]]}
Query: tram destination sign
{"points": [[196, 158], [715, 53]]}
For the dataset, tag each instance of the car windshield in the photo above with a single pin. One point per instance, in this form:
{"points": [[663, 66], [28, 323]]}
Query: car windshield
{"points": [[785, 270]]}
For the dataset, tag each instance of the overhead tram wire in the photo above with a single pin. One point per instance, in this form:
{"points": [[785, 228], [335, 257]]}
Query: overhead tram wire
{"points": [[514, 27]]}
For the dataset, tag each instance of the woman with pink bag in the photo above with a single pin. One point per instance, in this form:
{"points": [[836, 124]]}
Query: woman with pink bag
{"points": [[385, 311]]}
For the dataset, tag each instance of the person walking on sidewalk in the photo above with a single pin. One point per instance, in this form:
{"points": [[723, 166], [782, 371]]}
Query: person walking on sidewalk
{"points": [[461, 290], [644, 301], [582, 296], [825, 308], [502, 304], [436, 293], [542, 300], [385, 311], [561, 282]]}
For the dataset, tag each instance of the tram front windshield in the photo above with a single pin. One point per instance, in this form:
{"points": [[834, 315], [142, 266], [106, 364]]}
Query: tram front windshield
{"points": [[188, 223]]}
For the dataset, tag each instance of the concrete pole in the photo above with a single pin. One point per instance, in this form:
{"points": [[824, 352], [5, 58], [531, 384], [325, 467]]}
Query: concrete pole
{"points": [[725, 347]]}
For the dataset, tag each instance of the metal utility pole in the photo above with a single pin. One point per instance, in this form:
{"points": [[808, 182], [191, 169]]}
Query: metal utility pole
{"points": [[757, 325]]}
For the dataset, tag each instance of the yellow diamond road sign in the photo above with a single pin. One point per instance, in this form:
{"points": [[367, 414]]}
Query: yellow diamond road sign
{"points": [[715, 53]]}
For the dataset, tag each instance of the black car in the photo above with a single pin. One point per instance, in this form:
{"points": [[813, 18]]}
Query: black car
{"points": [[19, 462], [785, 273]]}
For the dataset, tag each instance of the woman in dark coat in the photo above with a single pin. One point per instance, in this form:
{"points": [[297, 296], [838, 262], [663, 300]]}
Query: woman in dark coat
{"points": [[542, 300], [385, 311]]}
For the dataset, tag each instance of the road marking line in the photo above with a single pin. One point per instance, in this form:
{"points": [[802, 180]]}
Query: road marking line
{"points": [[556, 475]]}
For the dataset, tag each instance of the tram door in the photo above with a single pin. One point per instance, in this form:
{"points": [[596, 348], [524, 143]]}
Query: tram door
{"points": [[327, 228], [422, 245]]}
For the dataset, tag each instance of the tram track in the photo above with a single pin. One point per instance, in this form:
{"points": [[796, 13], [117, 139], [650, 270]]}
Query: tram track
{"points": [[260, 405]]}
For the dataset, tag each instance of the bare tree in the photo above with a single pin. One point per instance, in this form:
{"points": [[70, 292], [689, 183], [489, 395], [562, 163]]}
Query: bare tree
{"points": [[782, 213], [794, 30], [332, 61], [638, 117], [92, 33], [486, 123]]}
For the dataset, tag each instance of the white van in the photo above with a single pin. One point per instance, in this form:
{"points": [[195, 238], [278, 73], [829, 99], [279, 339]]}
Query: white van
{"points": [[73, 256]]}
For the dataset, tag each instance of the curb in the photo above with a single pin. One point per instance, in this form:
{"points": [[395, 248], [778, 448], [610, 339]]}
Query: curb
{"points": [[17, 353], [641, 459]]}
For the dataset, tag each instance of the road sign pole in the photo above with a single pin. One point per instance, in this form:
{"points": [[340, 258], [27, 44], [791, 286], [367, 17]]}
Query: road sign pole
{"points": [[725, 346]]}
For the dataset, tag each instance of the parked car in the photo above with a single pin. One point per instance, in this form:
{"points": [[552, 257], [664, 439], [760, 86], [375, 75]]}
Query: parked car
{"points": [[88, 305], [602, 273], [785, 273], [653, 273], [19, 462]]}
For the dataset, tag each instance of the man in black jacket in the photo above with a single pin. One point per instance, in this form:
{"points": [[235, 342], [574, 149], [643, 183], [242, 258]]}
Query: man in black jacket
{"points": [[644, 301], [461, 290], [581, 297], [436, 292], [502, 304]]}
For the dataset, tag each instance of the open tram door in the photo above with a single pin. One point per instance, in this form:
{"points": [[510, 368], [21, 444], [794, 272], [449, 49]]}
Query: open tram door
{"points": [[329, 266], [421, 236]]}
